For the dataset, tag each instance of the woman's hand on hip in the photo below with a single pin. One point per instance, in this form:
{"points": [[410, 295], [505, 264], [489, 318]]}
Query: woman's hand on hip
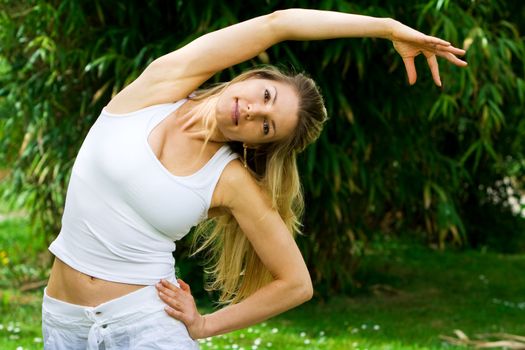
{"points": [[409, 43], [181, 306]]}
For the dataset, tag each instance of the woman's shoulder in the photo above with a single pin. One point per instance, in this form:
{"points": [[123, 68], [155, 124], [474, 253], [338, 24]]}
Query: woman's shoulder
{"points": [[235, 175], [237, 185]]}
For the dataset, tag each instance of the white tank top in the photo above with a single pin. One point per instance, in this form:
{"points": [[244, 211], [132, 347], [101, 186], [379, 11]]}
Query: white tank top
{"points": [[124, 209]]}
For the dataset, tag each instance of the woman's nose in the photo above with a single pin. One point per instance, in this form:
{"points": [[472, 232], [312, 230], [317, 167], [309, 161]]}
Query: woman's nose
{"points": [[253, 112]]}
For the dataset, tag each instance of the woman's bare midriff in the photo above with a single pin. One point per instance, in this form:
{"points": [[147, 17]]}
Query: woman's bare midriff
{"points": [[75, 287]]}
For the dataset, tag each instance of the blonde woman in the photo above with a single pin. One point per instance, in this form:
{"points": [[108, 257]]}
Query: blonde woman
{"points": [[164, 155]]}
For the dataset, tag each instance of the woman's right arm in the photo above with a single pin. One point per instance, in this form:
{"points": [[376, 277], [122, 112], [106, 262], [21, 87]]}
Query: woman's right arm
{"points": [[175, 75]]}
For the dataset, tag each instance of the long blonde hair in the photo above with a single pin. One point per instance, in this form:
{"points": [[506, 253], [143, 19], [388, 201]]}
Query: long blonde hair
{"points": [[234, 267]]}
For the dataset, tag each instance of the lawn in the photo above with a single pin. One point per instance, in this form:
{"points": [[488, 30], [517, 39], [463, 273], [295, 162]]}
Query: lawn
{"points": [[410, 295]]}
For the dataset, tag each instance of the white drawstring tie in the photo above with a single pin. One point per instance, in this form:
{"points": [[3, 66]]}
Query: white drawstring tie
{"points": [[96, 332]]}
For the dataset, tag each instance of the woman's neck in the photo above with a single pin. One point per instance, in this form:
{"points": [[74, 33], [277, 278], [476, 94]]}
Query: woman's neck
{"points": [[197, 119]]}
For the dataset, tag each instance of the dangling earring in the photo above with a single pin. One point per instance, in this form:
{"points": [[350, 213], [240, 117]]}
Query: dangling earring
{"points": [[245, 160]]}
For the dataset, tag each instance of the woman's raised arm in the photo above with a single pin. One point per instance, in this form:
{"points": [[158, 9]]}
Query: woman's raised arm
{"points": [[176, 74]]}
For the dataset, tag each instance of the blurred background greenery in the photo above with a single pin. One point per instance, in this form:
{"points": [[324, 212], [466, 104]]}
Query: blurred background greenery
{"points": [[443, 169]]}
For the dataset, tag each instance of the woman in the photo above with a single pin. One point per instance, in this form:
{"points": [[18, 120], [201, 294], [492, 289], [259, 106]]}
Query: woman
{"points": [[151, 168]]}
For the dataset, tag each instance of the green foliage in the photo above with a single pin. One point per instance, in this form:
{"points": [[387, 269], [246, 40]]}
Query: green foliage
{"points": [[391, 157], [23, 257]]}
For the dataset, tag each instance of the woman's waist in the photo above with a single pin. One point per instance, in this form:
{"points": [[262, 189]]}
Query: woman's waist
{"points": [[129, 265], [72, 286]]}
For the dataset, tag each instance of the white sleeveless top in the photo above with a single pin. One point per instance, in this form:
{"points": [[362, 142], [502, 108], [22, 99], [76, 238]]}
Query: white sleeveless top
{"points": [[124, 209]]}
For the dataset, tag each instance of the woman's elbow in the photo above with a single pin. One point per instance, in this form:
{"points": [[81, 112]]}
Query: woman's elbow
{"points": [[308, 291], [277, 24], [303, 291]]}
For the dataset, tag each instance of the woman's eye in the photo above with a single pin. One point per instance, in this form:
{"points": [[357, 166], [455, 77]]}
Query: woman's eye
{"points": [[266, 95], [266, 127]]}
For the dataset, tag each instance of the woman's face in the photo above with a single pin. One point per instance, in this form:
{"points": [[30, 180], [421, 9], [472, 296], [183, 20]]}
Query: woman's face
{"points": [[257, 111]]}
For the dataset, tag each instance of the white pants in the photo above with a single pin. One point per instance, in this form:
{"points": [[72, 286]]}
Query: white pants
{"points": [[133, 321]]}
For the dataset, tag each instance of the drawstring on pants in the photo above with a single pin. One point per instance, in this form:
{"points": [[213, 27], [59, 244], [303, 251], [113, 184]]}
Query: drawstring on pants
{"points": [[96, 332]]}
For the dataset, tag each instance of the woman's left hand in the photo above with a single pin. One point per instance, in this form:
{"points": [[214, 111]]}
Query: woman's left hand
{"points": [[409, 43], [181, 306]]}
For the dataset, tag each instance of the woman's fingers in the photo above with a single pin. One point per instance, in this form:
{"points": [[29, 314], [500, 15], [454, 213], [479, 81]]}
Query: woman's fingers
{"points": [[411, 69], [168, 288], [176, 297], [181, 306], [434, 68], [452, 49], [184, 286], [171, 301], [409, 43], [452, 58], [450, 53], [169, 285], [432, 40], [174, 313]]}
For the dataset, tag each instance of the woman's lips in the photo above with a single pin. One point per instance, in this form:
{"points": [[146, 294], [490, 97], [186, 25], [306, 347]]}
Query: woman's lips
{"points": [[235, 112]]}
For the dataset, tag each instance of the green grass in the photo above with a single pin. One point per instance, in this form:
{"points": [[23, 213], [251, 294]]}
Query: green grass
{"points": [[409, 296]]}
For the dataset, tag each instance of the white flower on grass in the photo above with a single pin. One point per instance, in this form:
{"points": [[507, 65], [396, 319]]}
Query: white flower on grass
{"points": [[16, 330], [1, 326], [250, 330], [355, 344], [242, 335], [269, 344], [307, 341], [19, 348], [235, 346], [275, 330], [321, 333], [302, 334], [254, 347], [37, 340], [355, 330], [376, 327], [364, 326], [14, 337], [257, 341]]}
